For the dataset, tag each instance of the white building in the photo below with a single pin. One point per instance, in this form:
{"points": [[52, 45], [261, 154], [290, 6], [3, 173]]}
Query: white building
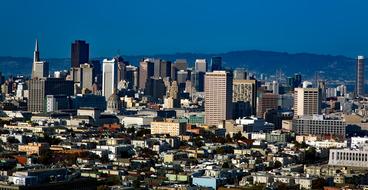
{"points": [[109, 77], [349, 157], [254, 124], [358, 142]]}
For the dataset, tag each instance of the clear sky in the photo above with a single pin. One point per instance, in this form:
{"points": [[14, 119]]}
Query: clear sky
{"points": [[168, 26]]}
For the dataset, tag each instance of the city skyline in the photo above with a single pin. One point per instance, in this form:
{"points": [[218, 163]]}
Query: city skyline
{"points": [[170, 27]]}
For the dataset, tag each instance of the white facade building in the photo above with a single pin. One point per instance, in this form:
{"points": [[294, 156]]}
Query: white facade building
{"points": [[349, 157], [109, 77]]}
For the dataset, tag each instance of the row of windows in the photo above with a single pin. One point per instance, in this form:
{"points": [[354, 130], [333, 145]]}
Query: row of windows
{"points": [[351, 156]]}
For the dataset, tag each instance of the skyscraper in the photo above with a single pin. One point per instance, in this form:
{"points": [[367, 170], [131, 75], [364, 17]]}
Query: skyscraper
{"points": [[265, 102], [307, 101], [246, 91], [200, 65], [109, 77], [146, 71], [86, 76], [165, 69], [297, 80], [218, 96], [359, 85], [180, 64], [121, 68], [240, 74], [131, 76], [79, 53], [40, 88], [197, 79], [216, 63], [155, 88], [40, 69]]}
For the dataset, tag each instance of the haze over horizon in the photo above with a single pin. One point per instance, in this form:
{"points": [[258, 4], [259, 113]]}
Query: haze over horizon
{"points": [[166, 27]]}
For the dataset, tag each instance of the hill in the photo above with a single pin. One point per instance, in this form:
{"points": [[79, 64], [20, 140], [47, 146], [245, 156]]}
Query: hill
{"points": [[334, 67]]}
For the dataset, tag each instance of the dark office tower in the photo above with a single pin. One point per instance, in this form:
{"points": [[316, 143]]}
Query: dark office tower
{"points": [[216, 63], [240, 74], [80, 53], [97, 71], [1, 79], [197, 79], [40, 88], [321, 85], [297, 80], [121, 68], [165, 69], [132, 76], [155, 87], [157, 67], [359, 85], [146, 71], [291, 82]]}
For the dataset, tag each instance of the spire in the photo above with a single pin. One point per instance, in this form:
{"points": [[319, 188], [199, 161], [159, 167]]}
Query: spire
{"points": [[36, 46], [36, 54]]}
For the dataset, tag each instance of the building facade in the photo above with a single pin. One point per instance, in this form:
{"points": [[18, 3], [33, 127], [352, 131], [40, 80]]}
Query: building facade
{"points": [[109, 77], [307, 101], [218, 96]]}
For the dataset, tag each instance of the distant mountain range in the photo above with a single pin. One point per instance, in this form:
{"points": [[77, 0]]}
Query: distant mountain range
{"points": [[333, 67]]}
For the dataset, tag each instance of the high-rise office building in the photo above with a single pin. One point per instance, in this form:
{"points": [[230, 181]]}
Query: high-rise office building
{"points": [[155, 87], [359, 85], [200, 65], [82, 76], [179, 64], [57, 102], [79, 53], [197, 79], [86, 76], [131, 76], [275, 87], [97, 71], [218, 96], [297, 80], [40, 69], [307, 101], [321, 85], [165, 67], [40, 88], [146, 71], [265, 102], [240, 74], [157, 67], [246, 91], [216, 63], [121, 68], [109, 77]]}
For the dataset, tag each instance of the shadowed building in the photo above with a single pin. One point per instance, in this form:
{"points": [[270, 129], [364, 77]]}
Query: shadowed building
{"points": [[79, 53]]}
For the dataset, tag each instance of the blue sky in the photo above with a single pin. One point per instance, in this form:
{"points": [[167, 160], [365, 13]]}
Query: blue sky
{"points": [[167, 26]]}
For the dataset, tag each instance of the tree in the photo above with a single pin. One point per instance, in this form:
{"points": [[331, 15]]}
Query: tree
{"points": [[310, 155], [136, 184], [228, 138], [277, 164], [131, 130]]}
